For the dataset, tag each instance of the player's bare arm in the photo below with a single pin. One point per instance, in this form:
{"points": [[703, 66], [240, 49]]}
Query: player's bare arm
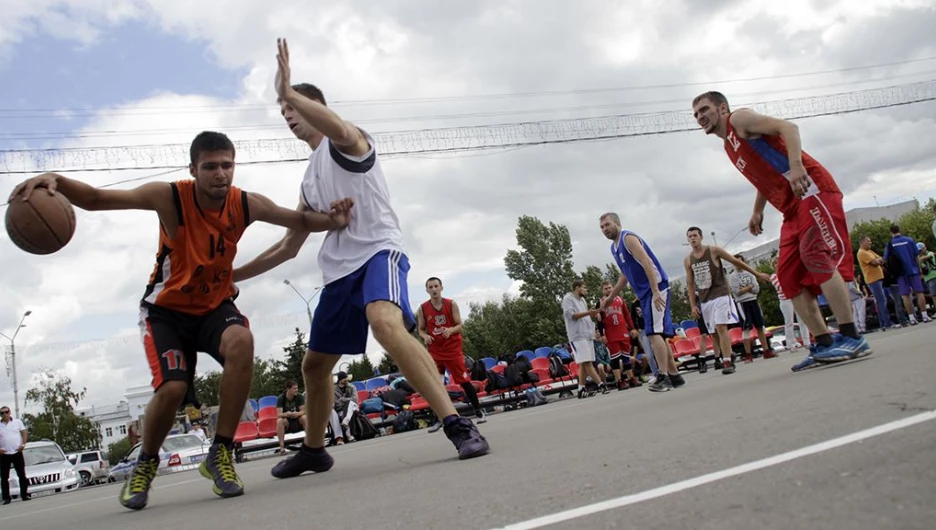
{"points": [[263, 209], [637, 250], [725, 255], [756, 224], [421, 322], [456, 318], [690, 288], [749, 123], [344, 134], [619, 286], [281, 252], [153, 196]]}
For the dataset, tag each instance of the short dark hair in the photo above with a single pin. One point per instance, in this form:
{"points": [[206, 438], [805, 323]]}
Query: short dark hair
{"points": [[310, 91], [433, 278], [290, 383], [712, 95], [739, 257], [694, 229], [577, 283], [607, 282], [894, 229], [210, 142]]}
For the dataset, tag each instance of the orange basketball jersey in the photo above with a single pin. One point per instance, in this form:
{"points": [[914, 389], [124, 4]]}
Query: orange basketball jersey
{"points": [[193, 270]]}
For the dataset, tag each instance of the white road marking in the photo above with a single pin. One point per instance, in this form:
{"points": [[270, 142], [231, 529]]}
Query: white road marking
{"points": [[677, 487]]}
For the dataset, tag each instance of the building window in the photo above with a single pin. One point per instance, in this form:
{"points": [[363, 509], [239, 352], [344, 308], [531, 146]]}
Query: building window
{"points": [[108, 432], [123, 429]]}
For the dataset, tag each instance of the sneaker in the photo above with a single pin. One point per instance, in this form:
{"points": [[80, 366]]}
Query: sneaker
{"points": [[435, 426], [718, 363], [807, 363], [622, 385], [843, 348], [603, 388], [703, 366], [748, 358], [480, 417], [660, 384], [727, 368], [770, 354], [677, 380], [926, 318], [304, 460], [218, 466], [467, 439], [583, 393], [634, 382], [135, 491]]}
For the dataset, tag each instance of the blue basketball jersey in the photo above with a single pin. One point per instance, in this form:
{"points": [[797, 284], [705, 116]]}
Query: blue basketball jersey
{"points": [[634, 270]]}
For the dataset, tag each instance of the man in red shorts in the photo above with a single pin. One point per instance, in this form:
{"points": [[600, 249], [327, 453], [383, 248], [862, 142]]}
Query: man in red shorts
{"points": [[440, 326], [815, 250], [617, 328]]}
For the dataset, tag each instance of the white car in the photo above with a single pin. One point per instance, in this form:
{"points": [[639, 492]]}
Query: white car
{"points": [[47, 469], [179, 452]]}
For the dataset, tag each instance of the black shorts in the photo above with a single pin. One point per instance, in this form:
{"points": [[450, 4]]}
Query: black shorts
{"points": [[751, 315], [293, 425], [172, 339], [703, 329], [621, 361]]}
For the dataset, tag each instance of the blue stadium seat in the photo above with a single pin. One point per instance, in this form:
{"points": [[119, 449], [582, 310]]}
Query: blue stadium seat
{"points": [[268, 401], [686, 324], [542, 351], [254, 405], [359, 385], [525, 353], [489, 362]]}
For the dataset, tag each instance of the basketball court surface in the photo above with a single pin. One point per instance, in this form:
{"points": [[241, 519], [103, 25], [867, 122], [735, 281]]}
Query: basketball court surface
{"points": [[844, 446]]}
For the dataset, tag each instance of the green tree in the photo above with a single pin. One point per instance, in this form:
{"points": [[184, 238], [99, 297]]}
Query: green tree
{"points": [[208, 387], [767, 296], [118, 450], [361, 369], [386, 364], [268, 378], [544, 261], [58, 420], [291, 368], [593, 279], [514, 324], [679, 302]]}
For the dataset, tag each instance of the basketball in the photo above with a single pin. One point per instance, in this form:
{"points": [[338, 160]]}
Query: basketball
{"points": [[43, 224]]}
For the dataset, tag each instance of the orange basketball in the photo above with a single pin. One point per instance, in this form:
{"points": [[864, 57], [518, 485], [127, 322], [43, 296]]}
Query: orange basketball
{"points": [[43, 224]]}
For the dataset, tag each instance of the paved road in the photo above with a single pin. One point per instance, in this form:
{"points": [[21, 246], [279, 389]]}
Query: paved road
{"points": [[575, 453]]}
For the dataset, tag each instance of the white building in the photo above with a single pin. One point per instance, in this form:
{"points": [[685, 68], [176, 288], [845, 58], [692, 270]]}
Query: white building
{"points": [[137, 399], [112, 421]]}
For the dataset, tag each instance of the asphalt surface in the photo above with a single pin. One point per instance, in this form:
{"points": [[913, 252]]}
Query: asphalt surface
{"points": [[575, 453]]}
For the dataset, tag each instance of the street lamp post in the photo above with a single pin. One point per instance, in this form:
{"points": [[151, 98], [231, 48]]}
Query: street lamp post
{"points": [[308, 302], [13, 361]]}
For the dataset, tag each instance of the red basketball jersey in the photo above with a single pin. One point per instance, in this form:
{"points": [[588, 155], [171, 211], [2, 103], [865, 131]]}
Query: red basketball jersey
{"points": [[436, 321], [765, 163], [617, 320]]}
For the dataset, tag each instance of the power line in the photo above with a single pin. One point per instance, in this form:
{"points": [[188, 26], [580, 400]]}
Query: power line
{"points": [[462, 139], [85, 134], [437, 99]]}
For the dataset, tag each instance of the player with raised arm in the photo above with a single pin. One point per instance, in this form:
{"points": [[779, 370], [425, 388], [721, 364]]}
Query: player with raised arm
{"points": [[364, 269], [638, 265], [705, 275], [188, 304], [815, 250]]}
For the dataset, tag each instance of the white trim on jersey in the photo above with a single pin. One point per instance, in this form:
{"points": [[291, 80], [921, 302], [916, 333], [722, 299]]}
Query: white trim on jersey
{"points": [[166, 271], [393, 273]]}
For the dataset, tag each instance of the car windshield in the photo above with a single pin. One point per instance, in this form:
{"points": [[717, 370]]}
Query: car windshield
{"points": [[181, 443], [43, 454]]}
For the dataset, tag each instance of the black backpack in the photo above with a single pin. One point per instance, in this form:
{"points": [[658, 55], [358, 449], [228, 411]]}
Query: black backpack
{"points": [[514, 374], [478, 372], [361, 427], [404, 421], [556, 368]]}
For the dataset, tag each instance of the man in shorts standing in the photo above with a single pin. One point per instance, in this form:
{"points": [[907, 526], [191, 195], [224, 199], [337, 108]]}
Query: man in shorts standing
{"points": [[440, 326], [641, 268], [705, 275], [815, 250], [364, 270], [580, 330], [188, 304]]}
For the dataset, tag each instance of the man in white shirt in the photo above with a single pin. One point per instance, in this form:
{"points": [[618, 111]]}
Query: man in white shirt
{"points": [[580, 329], [12, 441], [364, 269]]}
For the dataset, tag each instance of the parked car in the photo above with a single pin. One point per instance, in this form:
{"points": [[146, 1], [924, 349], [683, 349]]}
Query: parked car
{"points": [[179, 452], [92, 467], [47, 469]]}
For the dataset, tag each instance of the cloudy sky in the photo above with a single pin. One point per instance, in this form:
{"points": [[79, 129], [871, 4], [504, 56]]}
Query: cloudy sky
{"points": [[117, 73]]}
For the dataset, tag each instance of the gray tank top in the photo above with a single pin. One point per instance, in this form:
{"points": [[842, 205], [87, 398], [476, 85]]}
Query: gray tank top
{"points": [[709, 277]]}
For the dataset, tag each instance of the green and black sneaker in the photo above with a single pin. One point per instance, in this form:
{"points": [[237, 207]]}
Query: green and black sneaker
{"points": [[218, 466], [135, 492]]}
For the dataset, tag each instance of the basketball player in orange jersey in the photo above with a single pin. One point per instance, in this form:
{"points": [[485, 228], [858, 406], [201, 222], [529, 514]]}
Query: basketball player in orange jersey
{"points": [[815, 250], [188, 304], [440, 326]]}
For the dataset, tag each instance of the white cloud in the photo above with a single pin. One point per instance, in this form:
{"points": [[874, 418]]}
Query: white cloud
{"points": [[459, 213]]}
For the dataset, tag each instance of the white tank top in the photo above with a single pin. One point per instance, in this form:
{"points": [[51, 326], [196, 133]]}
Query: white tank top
{"points": [[333, 175]]}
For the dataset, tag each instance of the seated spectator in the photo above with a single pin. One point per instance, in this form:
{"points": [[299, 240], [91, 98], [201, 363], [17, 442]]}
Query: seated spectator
{"points": [[346, 404], [290, 411]]}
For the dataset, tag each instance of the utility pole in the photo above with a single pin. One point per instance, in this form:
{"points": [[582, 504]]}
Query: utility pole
{"points": [[308, 302], [12, 361]]}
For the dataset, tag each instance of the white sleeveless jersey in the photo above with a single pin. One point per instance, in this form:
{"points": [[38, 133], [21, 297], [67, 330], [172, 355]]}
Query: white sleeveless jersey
{"points": [[333, 175]]}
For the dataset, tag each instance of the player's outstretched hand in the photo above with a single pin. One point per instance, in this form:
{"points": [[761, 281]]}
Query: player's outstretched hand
{"points": [[756, 224], [25, 188], [340, 211], [283, 74]]}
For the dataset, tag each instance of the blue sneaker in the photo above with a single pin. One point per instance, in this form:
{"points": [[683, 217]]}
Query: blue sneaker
{"points": [[807, 363], [843, 349]]}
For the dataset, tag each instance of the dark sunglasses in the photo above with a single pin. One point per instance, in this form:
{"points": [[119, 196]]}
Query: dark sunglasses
{"points": [[4, 412]]}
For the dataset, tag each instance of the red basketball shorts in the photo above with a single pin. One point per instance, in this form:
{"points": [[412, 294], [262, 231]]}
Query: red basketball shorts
{"points": [[456, 368], [814, 244]]}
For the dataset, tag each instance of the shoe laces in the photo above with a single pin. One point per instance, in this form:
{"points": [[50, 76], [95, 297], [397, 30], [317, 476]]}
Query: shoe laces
{"points": [[225, 464], [143, 474]]}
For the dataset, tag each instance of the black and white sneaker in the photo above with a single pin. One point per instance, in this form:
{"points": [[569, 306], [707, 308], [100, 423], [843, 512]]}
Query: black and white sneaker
{"points": [[661, 384], [677, 380], [603, 388], [582, 393]]}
